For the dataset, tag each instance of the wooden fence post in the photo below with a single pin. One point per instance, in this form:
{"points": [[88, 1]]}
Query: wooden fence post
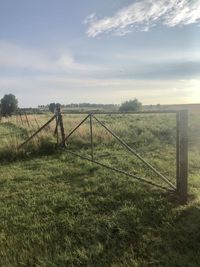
{"points": [[60, 123], [182, 155]]}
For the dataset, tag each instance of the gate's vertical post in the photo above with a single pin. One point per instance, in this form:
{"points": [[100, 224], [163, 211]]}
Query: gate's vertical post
{"points": [[182, 181], [177, 150], [91, 138], [56, 129], [60, 121]]}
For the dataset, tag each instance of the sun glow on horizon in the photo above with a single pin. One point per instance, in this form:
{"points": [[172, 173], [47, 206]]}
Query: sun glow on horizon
{"points": [[194, 91]]}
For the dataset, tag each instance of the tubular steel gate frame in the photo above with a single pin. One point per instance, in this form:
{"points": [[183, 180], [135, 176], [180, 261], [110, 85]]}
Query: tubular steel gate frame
{"points": [[181, 186]]}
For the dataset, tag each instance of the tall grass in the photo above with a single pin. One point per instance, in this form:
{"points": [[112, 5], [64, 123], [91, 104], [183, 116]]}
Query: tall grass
{"points": [[152, 133], [14, 131], [58, 210], [152, 136]]}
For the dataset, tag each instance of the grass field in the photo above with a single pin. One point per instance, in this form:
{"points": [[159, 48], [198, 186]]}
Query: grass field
{"points": [[59, 210]]}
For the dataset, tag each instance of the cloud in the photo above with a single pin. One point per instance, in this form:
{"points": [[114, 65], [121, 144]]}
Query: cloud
{"points": [[17, 60], [145, 14], [61, 78], [157, 70], [158, 55], [17, 57]]}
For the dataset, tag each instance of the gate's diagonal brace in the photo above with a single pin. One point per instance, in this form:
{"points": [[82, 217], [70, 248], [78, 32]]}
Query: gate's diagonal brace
{"points": [[56, 129], [77, 127], [118, 170], [33, 135], [136, 154]]}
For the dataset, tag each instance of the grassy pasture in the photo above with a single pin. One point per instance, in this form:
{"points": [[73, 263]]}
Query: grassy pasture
{"points": [[58, 210]]}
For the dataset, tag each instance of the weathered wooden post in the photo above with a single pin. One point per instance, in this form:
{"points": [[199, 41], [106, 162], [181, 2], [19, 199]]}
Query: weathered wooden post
{"points": [[60, 123], [56, 131], [182, 155]]}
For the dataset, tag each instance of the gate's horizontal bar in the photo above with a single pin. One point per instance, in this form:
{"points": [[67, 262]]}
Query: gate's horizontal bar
{"points": [[120, 113], [119, 171]]}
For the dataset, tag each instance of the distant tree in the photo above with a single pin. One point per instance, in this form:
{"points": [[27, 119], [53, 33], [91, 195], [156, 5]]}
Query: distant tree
{"points": [[52, 107], [158, 106], [131, 105], [58, 105], [9, 105]]}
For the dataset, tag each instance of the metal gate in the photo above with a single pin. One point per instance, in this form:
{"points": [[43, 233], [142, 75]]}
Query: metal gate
{"points": [[181, 149]]}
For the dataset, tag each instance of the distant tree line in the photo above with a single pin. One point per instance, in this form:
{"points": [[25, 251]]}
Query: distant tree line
{"points": [[9, 106], [127, 106], [131, 105], [51, 107], [92, 105]]}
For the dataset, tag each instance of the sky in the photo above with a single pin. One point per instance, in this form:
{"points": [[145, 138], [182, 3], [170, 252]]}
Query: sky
{"points": [[103, 51]]}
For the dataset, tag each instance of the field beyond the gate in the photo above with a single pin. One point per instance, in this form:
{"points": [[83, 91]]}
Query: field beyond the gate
{"points": [[59, 210]]}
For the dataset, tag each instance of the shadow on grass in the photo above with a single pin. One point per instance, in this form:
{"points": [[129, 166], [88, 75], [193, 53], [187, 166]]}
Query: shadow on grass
{"points": [[179, 243], [88, 216], [122, 223], [46, 147], [135, 228]]}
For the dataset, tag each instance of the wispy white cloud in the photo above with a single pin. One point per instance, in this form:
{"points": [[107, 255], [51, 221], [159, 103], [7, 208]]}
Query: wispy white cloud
{"points": [[145, 14]]}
